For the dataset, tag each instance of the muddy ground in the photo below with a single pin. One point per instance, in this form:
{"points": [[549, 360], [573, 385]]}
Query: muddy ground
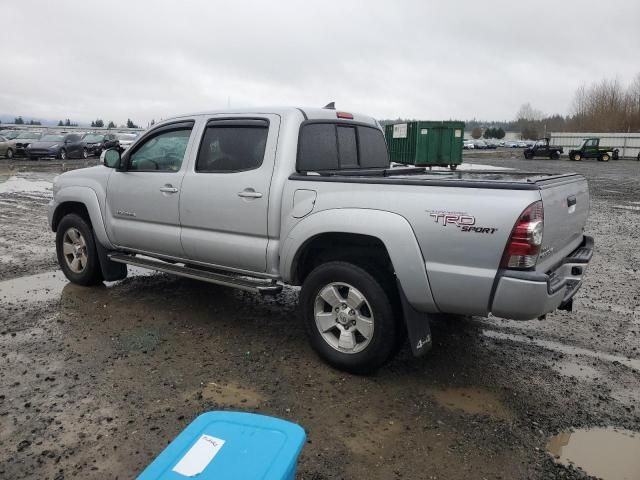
{"points": [[96, 381]]}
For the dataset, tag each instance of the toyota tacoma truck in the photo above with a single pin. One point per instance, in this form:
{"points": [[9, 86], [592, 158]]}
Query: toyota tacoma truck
{"points": [[262, 198]]}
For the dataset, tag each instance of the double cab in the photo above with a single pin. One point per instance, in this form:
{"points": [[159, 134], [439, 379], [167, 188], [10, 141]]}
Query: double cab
{"points": [[263, 198]]}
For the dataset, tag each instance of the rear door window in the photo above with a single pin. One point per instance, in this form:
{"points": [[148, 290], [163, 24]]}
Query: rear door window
{"points": [[232, 146]]}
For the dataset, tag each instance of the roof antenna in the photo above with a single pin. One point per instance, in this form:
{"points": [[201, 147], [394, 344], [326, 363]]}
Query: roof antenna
{"points": [[330, 106]]}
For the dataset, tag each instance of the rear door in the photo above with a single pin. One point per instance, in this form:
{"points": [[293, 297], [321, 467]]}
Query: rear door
{"points": [[566, 207], [225, 194]]}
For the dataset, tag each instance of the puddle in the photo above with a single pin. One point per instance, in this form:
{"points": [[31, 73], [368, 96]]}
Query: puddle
{"points": [[602, 452], [562, 348], [46, 286], [34, 288], [232, 395], [474, 401]]}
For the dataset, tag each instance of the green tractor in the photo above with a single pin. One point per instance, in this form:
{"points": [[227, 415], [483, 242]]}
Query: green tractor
{"points": [[590, 148]]}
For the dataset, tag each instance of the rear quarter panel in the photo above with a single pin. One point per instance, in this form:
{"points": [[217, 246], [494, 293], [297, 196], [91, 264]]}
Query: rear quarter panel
{"points": [[461, 263]]}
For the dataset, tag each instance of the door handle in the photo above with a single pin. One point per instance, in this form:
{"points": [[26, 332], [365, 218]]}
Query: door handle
{"points": [[168, 188], [249, 193]]}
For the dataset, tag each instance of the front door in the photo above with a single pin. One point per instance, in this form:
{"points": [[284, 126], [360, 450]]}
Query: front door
{"points": [[143, 199], [225, 194]]}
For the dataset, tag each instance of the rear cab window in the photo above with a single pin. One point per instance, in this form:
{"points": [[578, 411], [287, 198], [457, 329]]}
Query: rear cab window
{"points": [[331, 145]]}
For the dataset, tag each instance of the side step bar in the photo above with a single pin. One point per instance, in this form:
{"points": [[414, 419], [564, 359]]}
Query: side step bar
{"points": [[228, 280]]}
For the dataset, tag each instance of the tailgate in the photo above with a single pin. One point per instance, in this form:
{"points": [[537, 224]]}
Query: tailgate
{"points": [[566, 206]]}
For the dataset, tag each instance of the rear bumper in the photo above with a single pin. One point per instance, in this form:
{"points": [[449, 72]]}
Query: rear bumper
{"points": [[521, 295]]}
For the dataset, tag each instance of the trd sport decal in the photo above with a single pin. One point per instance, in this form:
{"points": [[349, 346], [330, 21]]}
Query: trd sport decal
{"points": [[466, 223]]}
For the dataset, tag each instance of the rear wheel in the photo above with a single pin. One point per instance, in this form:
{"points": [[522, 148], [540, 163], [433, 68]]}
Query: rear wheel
{"points": [[76, 250], [604, 157], [554, 155], [576, 157], [616, 155], [638, 157], [528, 155], [349, 317], [453, 167], [9, 153]]}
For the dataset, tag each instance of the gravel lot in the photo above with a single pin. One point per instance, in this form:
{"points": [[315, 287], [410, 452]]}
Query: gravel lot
{"points": [[96, 381]]}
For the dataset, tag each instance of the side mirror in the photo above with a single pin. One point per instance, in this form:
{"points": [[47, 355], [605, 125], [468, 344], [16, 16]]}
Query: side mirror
{"points": [[110, 158]]}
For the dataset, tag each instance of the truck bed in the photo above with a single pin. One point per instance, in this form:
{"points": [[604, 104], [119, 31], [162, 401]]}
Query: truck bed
{"points": [[498, 179]]}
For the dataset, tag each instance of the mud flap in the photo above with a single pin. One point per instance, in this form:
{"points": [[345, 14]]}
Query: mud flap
{"points": [[418, 329], [111, 271]]}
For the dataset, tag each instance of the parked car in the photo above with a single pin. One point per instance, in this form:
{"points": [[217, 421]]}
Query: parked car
{"points": [[590, 148], [542, 149], [95, 143], [480, 144], [58, 145], [511, 144], [258, 199], [126, 140], [490, 144], [6, 147], [10, 134], [24, 139], [468, 145], [522, 144]]}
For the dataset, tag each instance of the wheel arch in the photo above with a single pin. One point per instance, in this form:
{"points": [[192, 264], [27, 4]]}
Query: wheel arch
{"points": [[387, 235], [84, 202]]}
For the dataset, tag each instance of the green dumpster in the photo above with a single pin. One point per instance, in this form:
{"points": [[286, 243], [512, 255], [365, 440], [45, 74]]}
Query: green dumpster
{"points": [[423, 143]]}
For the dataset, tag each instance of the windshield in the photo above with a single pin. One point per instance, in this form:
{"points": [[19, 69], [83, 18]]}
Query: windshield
{"points": [[52, 138], [91, 138], [127, 136], [29, 135], [581, 144]]}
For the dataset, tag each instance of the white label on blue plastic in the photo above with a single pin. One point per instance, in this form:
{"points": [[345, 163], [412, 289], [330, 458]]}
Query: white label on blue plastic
{"points": [[199, 456]]}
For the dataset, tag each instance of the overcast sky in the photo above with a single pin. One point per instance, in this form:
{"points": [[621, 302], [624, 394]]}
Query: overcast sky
{"points": [[419, 59]]}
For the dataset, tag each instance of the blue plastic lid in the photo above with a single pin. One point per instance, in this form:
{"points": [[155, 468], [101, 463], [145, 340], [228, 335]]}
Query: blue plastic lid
{"points": [[230, 445]]}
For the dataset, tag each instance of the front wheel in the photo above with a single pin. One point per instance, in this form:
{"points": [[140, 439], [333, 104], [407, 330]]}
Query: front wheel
{"points": [[9, 154], [604, 157], [85, 153], [576, 157], [76, 250], [528, 156], [63, 154], [349, 317]]}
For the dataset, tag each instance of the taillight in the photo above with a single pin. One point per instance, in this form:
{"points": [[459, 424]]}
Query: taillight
{"points": [[524, 243]]}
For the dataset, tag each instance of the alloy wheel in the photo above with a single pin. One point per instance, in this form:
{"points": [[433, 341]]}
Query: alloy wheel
{"points": [[344, 317], [74, 249]]}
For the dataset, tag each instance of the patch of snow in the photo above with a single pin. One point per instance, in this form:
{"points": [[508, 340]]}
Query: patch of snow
{"points": [[464, 167], [16, 184], [627, 207]]}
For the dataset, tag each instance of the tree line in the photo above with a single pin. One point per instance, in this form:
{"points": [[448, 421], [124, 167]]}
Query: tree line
{"points": [[98, 123]]}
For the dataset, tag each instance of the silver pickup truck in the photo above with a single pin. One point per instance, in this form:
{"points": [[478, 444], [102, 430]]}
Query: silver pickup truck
{"points": [[260, 198]]}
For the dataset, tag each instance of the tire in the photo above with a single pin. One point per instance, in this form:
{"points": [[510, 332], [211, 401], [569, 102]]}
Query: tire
{"points": [[85, 153], [527, 156], [616, 155], [9, 154], [638, 159], [554, 156], [453, 167], [76, 251], [367, 344], [576, 157], [63, 154], [604, 157]]}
